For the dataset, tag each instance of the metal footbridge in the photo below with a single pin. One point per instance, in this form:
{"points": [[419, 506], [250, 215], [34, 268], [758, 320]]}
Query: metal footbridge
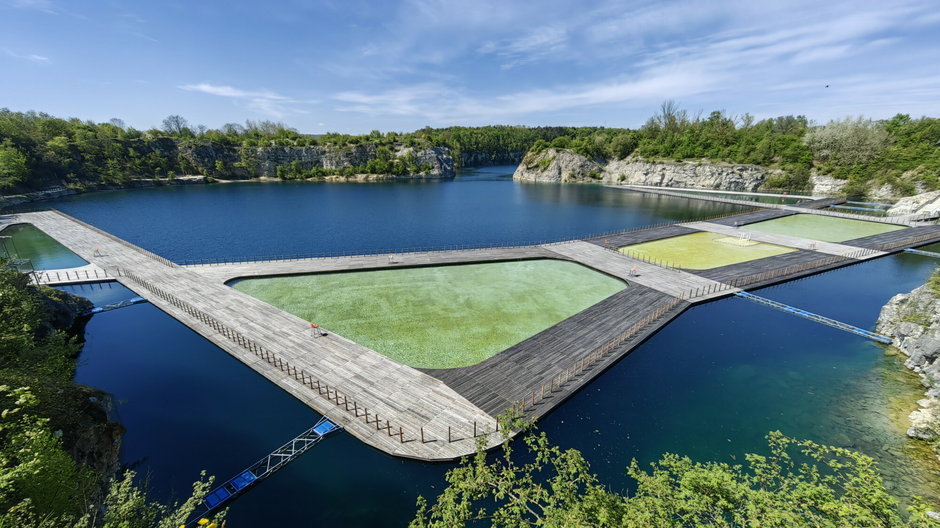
{"points": [[924, 253], [814, 317], [223, 495], [115, 306]]}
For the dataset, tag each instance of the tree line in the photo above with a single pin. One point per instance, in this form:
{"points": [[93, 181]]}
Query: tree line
{"points": [[900, 151], [38, 150]]}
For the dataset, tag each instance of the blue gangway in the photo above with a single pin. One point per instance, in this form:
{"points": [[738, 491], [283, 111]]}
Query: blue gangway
{"points": [[815, 317], [231, 489], [924, 253]]}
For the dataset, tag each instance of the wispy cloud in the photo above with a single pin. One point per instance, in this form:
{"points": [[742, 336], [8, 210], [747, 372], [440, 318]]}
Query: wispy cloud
{"points": [[442, 104], [31, 57], [535, 45], [262, 101], [44, 6], [737, 57]]}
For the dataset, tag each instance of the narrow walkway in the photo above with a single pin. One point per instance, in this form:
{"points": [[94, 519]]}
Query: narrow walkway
{"points": [[674, 282], [830, 248], [906, 220], [814, 317], [80, 275], [222, 273]]}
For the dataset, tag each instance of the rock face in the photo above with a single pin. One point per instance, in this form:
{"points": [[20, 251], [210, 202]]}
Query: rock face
{"points": [[553, 165], [689, 174], [262, 162], [922, 203], [913, 321], [826, 185]]}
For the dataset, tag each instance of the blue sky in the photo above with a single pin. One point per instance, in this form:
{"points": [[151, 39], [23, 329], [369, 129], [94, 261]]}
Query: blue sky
{"points": [[353, 66]]}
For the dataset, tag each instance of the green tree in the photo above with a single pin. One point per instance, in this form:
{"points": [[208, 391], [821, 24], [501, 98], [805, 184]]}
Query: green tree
{"points": [[13, 168], [798, 484]]}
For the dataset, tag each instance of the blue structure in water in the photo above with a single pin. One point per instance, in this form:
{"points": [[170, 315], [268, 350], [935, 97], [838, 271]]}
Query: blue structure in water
{"points": [[221, 496], [815, 317]]}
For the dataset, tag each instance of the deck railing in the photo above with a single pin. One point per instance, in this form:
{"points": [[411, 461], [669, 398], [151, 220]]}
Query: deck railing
{"points": [[330, 393], [217, 261]]}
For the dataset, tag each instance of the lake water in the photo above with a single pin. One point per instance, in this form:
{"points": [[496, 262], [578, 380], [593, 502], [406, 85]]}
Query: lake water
{"points": [[710, 385]]}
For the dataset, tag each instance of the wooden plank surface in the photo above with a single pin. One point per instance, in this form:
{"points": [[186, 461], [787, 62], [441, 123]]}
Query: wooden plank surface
{"points": [[400, 395]]}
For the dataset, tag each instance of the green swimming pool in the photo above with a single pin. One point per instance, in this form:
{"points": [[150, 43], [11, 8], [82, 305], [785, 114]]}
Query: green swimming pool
{"points": [[440, 316], [701, 251], [44, 252], [823, 228]]}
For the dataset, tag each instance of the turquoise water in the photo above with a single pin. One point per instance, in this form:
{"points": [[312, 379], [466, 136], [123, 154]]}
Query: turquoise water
{"points": [[711, 384]]}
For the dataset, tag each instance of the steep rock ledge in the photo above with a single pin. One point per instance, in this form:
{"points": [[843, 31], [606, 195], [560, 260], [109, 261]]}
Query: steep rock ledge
{"points": [[552, 165], [913, 321]]}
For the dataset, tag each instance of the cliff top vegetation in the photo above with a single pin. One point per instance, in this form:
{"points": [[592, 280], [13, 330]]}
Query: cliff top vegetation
{"points": [[39, 151]]}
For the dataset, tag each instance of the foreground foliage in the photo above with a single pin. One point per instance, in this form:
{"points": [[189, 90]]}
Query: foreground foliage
{"points": [[799, 484], [42, 485]]}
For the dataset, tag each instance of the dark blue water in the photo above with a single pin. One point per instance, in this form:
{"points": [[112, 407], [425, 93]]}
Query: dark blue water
{"points": [[251, 219], [709, 385]]}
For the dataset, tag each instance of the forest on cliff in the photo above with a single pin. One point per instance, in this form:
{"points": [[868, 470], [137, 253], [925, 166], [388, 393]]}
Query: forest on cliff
{"points": [[39, 151]]}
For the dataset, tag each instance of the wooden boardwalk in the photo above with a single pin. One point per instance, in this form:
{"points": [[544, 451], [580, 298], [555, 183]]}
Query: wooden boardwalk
{"points": [[436, 414], [389, 405], [813, 207], [830, 248], [226, 272]]}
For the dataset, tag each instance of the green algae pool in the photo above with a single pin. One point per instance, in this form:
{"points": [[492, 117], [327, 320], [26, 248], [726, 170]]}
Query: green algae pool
{"points": [[44, 252], [824, 228], [441, 316], [700, 251]]}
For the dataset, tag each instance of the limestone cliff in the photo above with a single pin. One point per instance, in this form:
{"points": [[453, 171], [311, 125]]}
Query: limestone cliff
{"points": [[262, 162], [922, 203], [553, 165], [913, 321]]}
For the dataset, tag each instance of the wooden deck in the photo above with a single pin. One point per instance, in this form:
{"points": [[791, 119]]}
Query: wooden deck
{"points": [[812, 207], [392, 406], [830, 248], [546, 367], [389, 405]]}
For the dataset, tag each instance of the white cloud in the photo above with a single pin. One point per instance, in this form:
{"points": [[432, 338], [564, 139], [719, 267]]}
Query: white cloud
{"points": [[262, 101], [31, 57], [442, 104]]}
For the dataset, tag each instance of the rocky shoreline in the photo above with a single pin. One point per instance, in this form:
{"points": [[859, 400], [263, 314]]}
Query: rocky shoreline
{"points": [[58, 192], [913, 321]]}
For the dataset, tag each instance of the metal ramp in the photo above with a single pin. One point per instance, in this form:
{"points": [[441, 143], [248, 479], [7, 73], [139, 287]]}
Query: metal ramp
{"points": [[924, 253], [115, 306], [221, 496], [815, 317]]}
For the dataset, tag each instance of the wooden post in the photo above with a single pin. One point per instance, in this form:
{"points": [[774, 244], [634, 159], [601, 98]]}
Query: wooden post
{"points": [[422, 434], [401, 435], [448, 435], [376, 421], [474, 428]]}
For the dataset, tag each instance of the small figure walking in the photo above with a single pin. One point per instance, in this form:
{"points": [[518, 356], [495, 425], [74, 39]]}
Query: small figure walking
{"points": [[315, 330], [633, 272], [391, 258], [98, 253], [813, 245]]}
